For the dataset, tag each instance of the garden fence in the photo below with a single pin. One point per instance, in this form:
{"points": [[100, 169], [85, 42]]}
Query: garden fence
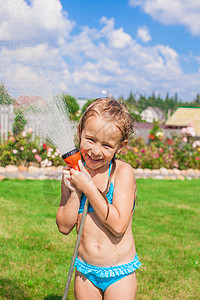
{"points": [[7, 116], [6, 121]]}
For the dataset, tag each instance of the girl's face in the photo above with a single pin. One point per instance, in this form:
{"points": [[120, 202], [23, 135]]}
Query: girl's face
{"points": [[100, 140]]}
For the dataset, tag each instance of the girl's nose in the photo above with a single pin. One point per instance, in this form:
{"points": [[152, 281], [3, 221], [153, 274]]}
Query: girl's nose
{"points": [[96, 150]]}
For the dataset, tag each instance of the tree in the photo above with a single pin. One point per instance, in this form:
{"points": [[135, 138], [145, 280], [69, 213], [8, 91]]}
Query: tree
{"points": [[19, 122], [71, 106], [131, 100], [142, 103], [5, 98], [86, 105], [176, 98], [197, 100]]}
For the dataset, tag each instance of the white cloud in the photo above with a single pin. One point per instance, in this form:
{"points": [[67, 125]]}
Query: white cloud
{"points": [[51, 17], [143, 34], [117, 38], [46, 57], [42, 20], [30, 57], [184, 12]]}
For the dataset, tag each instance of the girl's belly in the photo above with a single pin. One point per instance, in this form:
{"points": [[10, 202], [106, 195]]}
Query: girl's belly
{"points": [[100, 247]]}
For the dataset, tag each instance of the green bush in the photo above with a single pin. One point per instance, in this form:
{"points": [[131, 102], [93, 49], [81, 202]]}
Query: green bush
{"points": [[19, 122]]}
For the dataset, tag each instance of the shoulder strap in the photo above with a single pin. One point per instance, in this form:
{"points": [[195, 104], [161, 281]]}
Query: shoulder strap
{"points": [[111, 172], [108, 186]]}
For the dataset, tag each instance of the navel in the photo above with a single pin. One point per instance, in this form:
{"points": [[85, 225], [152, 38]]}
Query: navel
{"points": [[97, 246]]}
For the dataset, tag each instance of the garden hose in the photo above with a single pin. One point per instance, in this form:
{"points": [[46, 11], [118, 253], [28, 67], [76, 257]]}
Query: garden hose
{"points": [[71, 269]]}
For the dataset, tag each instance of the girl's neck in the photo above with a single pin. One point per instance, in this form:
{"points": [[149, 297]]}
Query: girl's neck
{"points": [[100, 170]]}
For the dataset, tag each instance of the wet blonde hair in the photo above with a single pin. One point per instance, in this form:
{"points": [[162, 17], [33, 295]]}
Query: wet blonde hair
{"points": [[112, 111]]}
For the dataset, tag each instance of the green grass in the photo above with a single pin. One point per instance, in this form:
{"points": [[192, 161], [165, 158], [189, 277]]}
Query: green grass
{"points": [[35, 257]]}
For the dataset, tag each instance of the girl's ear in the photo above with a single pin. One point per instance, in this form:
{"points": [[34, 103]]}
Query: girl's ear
{"points": [[122, 145]]}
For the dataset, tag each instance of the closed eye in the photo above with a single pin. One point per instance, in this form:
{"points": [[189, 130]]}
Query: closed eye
{"points": [[90, 139], [107, 146]]}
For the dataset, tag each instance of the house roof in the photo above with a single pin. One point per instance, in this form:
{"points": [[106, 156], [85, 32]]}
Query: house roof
{"points": [[146, 125], [26, 101], [186, 116]]}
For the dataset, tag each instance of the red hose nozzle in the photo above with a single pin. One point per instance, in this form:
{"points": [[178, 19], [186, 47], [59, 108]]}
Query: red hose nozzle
{"points": [[71, 158]]}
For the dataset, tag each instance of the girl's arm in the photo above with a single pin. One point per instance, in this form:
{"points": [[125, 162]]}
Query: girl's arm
{"points": [[67, 214], [120, 211]]}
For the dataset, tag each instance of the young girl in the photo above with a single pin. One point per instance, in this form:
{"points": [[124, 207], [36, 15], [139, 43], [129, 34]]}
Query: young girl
{"points": [[107, 259]]}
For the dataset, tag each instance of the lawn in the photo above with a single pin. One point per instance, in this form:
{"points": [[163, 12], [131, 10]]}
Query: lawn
{"points": [[35, 257]]}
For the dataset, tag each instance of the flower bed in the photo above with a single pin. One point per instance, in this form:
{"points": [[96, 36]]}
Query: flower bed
{"points": [[180, 152], [22, 149]]}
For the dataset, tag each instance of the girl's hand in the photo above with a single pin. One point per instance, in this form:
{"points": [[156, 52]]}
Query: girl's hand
{"points": [[80, 179], [66, 178]]}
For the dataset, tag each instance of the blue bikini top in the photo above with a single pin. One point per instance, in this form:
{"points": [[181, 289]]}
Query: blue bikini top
{"points": [[109, 196]]}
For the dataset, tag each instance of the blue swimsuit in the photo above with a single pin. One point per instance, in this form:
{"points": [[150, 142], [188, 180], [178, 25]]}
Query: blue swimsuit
{"points": [[103, 277], [109, 195]]}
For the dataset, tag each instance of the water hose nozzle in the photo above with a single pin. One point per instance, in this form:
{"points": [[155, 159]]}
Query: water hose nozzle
{"points": [[71, 158]]}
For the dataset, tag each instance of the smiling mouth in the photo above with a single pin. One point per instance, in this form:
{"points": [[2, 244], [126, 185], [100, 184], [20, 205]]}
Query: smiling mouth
{"points": [[94, 160]]}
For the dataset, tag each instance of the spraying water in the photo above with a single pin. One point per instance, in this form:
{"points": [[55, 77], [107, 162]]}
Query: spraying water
{"points": [[33, 71], [54, 123]]}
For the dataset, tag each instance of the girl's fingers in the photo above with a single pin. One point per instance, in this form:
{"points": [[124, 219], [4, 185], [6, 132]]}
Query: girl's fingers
{"points": [[82, 168], [66, 172], [66, 176], [66, 168], [80, 164]]}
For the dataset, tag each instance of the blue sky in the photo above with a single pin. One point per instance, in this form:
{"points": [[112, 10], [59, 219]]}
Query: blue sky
{"points": [[89, 48]]}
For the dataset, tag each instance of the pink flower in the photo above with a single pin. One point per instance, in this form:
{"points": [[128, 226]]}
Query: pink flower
{"points": [[38, 157], [34, 150], [11, 138], [184, 130], [189, 130], [185, 139], [169, 156], [128, 147], [196, 143], [142, 150], [24, 133], [197, 158], [161, 150], [156, 155], [30, 130], [15, 151], [57, 150], [175, 164], [21, 148]]}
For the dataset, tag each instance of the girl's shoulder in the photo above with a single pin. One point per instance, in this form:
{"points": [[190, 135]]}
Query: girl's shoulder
{"points": [[124, 170]]}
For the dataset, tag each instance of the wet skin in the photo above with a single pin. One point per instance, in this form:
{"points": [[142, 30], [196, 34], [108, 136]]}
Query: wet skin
{"points": [[104, 242]]}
